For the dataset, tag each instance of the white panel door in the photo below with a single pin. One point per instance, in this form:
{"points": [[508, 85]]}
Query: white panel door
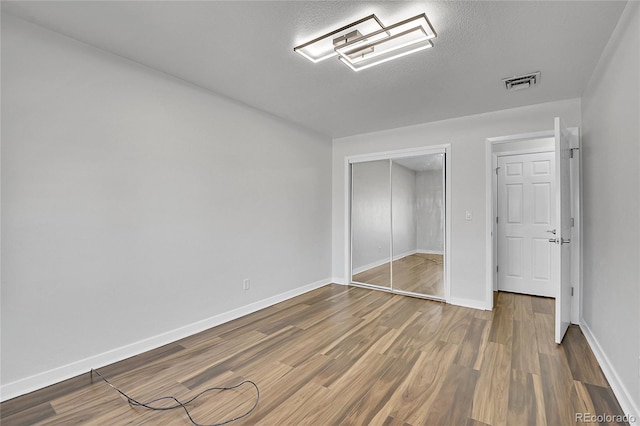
{"points": [[561, 244], [526, 221]]}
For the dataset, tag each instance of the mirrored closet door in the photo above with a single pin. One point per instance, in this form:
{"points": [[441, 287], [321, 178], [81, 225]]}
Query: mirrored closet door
{"points": [[398, 224], [418, 225], [371, 223]]}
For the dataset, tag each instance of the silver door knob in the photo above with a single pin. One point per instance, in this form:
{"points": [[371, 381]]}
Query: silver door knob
{"points": [[563, 241], [553, 240]]}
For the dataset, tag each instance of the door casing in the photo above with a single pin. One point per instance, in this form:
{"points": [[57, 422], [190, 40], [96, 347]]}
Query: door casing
{"points": [[491, 162]]}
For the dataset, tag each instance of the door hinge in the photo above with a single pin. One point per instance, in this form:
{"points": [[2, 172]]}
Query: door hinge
{"points": [[496, 268], [572, 291], [497, 168], [571, 152], [496, 219], [573, 222]]}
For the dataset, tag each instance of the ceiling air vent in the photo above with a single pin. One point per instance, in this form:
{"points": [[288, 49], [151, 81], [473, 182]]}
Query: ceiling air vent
{"points": [[521, 82]]}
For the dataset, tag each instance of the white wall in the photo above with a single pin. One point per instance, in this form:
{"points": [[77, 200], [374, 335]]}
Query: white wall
{"points": [[430, 211], [403, 211], [467, 138], [134, 204], [611, 202]]}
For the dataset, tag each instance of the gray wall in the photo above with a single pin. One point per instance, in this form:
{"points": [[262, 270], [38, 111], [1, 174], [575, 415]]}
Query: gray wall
{"points": [[404, 211], [611, 193], [430, 211], [371, 214], [134, 204], [417, 212]]}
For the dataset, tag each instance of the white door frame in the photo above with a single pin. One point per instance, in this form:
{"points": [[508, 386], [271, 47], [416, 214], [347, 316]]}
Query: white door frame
{"points": [[397, 154], [491, 182]]}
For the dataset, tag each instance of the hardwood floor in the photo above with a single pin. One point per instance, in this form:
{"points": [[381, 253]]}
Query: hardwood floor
{"points": [[348, 355], [418, 273]]}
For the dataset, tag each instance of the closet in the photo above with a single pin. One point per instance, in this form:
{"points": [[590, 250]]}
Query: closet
{"points": [[398, 227]]}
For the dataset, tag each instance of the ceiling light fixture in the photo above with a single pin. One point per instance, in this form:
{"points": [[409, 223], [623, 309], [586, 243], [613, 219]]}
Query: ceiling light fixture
{"points": [[322, 47], [366, 42]]}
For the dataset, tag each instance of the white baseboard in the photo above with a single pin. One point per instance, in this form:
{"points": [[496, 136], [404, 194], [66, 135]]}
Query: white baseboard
{"points": [[623, 395], [470, 303], [405, 254], [58, 374], [337, 280], [430, 252], [386, 260], [370, 265]]}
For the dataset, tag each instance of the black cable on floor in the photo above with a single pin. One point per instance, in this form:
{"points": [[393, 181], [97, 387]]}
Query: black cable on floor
{"points": [[149, 404]]}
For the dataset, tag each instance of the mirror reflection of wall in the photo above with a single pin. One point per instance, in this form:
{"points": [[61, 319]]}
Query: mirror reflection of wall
{"points": [[418, 261], [398, 213], [370, 223]]}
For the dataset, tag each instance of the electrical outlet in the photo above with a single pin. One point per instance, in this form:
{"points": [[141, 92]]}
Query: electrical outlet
{"points": [[246, 284]]}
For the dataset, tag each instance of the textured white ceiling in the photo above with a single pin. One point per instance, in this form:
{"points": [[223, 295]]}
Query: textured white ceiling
{"points": [[244, 50]]}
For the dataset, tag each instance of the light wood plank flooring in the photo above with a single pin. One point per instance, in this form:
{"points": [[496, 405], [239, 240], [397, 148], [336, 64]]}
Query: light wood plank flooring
{"points": [[418, 273], [347, 355]]}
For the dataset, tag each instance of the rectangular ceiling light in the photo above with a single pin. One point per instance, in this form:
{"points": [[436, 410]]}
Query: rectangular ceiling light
{"points": [[322, 47], [401, 39], [367, 42]]}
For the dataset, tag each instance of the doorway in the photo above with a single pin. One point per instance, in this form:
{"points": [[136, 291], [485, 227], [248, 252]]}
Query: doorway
{"points": [[565, 245]]}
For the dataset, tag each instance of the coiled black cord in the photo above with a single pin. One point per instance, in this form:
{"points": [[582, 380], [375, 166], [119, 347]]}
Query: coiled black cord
{"points": [[149, 404]]}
